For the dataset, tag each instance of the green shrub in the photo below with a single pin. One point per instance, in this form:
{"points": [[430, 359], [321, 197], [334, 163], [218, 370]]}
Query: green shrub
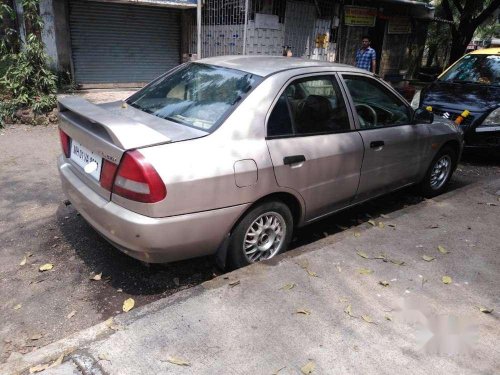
{"points": [[27, 83]]}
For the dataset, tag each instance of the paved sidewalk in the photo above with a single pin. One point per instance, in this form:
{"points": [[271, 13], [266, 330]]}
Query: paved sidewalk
{"points": [[323, 306]]}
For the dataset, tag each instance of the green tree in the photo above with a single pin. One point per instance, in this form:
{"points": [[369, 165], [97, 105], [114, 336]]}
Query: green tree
{"points": [[27, 82], [467, 16]]}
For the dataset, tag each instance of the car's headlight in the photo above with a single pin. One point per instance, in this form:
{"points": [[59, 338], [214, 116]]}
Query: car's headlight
{"points": [[493, 118], [415, 102]]}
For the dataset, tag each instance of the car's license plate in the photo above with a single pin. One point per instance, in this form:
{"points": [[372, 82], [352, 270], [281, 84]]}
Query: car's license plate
{"points": [[90, 162]]}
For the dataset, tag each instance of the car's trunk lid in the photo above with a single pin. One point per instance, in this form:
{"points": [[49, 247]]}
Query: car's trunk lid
{"points": [[107, 131]]}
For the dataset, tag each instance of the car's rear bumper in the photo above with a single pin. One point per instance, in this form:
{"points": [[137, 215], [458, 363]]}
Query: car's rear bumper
{"points": [[154, 240]]}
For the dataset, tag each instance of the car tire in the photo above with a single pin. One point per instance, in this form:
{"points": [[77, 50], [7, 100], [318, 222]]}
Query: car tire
{"points": [[439, 173], [270, 225]]}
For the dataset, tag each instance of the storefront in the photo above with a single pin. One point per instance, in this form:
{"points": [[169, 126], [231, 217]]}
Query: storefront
{"points": [[395, 28], [129, 42], [328, 30]]}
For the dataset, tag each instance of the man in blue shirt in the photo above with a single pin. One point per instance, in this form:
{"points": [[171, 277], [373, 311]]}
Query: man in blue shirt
{"points": [[366, 57]]}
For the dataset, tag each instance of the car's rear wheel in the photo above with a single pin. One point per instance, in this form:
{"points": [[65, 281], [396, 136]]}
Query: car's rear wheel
{"points": [[264, 232], [439, 172]]}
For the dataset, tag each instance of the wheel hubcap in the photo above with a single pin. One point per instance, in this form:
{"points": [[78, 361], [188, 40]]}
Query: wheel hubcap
{"points": [[440, 172], [264, 237]]}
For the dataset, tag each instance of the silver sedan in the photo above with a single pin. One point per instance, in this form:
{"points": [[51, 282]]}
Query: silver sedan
{"points": [[228, 155]]}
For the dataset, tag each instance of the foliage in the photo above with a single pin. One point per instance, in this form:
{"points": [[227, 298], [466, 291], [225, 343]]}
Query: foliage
{"points": [[466, 17], [28, 83]]}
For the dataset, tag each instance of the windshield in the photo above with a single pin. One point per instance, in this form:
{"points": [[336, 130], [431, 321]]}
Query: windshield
{"points": [[482, 69], [197, 95]]}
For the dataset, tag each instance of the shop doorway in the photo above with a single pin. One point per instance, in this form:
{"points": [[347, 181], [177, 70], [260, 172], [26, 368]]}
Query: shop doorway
{"points": [[376, 35]]}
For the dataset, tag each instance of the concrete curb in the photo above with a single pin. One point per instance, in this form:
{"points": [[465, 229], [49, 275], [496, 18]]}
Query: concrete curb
{"points": [[51, 352]]}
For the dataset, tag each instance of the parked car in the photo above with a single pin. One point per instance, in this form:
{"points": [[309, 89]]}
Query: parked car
{"points": [[228, 155], [472, 84]]}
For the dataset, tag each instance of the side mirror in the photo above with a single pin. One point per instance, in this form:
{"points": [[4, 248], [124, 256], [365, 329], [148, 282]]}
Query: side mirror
{"points": [[422, 116]]}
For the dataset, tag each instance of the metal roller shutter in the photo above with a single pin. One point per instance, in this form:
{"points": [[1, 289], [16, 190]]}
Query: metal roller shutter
{"points": [[120, 43]]}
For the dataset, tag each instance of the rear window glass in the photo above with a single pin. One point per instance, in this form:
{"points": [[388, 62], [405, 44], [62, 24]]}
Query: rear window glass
{"points": [[197, 95], [482, 69]]}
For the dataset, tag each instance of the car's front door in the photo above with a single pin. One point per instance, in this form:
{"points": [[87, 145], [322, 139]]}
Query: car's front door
{"points": [[313, 144], [395, 149]]}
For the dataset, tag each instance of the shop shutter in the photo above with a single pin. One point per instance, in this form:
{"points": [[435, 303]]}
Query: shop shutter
{"points": [[120, 43]]}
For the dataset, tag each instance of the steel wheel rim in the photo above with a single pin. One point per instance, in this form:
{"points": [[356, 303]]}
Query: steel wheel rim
{"points": [[264, 237], [440, 172]]}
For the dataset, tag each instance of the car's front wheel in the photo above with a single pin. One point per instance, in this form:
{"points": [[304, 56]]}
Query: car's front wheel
{"points": [[439, 172], [264, 232]]}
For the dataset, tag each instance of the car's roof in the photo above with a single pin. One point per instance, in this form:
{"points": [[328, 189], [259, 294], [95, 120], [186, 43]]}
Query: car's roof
{"points": [[486, 51], [267, 65]]}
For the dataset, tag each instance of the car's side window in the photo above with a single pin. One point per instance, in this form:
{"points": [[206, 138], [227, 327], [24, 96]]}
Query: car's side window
{"points": [[309, 106], [280, 122], [376, 106]]}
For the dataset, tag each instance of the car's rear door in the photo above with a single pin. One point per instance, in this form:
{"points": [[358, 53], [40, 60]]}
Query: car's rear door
{"points": [[313, 144], [395, 149]]}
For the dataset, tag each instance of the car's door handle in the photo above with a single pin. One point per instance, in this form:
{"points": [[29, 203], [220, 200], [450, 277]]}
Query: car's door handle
{"points": [[377, 144], [288, 160]]}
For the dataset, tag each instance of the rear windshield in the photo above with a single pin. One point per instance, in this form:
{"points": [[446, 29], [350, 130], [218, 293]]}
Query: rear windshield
{"points": [[482, 69], [197, 95]]}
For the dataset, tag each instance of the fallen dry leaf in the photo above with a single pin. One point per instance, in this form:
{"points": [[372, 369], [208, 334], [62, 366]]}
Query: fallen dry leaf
{"points": [[428, 258], [357, 234], [23, 261], [485, 310], [39, 368], [103, 357], [311, 273], [46, 267], [71, 314], [446, 279], [367, 319], [381, 225], [362, 254], [36, 336], [178, 361], [348, 311], [288, 286], [398, 262], [339, 268], [365, 271], [96, 277], [111, 324], [303, 312], [343, 299], [18, 306], [234, 283], [308, 368], [128, 304], [384, 283], [387, 317], [372, 222], [58, 361], [442, 249], [391, 225]]}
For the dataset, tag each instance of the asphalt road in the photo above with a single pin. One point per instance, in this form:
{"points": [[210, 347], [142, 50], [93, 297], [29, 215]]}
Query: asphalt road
{"points": [[37, 308]]}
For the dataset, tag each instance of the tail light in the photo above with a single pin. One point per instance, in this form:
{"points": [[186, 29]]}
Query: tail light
{"points": [[136, 179], [65, 142]]}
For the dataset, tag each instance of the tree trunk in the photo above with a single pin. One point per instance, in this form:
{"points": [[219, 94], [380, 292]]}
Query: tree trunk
{"points": [[460, 40], [430, 55]]}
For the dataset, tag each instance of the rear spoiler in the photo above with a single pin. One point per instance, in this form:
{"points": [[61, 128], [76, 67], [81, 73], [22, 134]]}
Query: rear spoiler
{"points": [[124, 132]]}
